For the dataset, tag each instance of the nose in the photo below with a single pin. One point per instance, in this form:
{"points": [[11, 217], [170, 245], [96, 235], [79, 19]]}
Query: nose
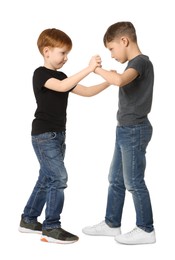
{"points": [[65, 57]]}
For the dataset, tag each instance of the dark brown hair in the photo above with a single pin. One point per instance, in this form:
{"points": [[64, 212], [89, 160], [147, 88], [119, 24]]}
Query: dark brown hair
{"points": [[120, 29]]}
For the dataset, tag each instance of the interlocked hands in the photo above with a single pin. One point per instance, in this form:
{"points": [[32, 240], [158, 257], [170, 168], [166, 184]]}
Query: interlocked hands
{"points": [[95, 62]]}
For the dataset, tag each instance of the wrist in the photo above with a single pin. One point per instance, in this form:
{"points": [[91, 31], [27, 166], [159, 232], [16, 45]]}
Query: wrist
{"points": [[97, 69]]}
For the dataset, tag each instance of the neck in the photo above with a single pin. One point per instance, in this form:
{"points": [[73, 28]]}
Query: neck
{"points": [[133, 52]]}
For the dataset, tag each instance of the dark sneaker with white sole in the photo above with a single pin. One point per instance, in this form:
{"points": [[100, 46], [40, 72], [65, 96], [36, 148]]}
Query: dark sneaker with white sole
{"points": [[58, 235], [34, 227]]}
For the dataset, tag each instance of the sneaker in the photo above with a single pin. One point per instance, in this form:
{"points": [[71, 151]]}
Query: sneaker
{"points": [[101, 229], [35, 227], [136, 236], [58, 235]]}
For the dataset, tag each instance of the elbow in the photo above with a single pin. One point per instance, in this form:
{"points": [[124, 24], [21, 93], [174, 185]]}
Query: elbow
{"points": [[88, 95], [120, 85]]}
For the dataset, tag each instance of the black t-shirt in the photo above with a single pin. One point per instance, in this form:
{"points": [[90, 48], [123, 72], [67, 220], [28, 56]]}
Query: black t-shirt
{"points": [[50, 115]]}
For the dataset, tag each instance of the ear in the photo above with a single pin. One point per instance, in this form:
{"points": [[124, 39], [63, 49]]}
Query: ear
{"points": [[45, 51], [125, 41]]}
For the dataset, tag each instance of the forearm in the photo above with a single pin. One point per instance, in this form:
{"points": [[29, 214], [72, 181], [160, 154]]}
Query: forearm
{"points": [[113, 78], [96, 89], [91, 90], [68, 83]]}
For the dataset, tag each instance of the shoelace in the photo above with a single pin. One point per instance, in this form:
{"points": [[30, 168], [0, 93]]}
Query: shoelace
{"points": [[135, 230], [99, 224]]}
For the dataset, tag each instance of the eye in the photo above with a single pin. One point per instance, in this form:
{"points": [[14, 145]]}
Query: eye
{"points": [[64, 53]]}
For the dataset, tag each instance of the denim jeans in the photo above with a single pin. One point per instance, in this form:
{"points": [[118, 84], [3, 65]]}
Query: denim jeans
{"points": [[127, 173], [49, 188]]}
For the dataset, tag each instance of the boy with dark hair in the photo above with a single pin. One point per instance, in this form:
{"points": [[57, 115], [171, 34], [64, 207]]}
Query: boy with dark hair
{"points": [[133, 134]]}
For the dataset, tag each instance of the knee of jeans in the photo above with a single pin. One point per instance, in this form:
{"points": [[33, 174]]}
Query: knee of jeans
{"points": [[59, 182], [134, 187], [62, 186], [130, 187], [59, 179], [62, 182], [59, 185]]}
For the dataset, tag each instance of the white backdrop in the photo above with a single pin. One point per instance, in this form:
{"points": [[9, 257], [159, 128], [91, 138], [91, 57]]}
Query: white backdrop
{"points": [[90, 126]]}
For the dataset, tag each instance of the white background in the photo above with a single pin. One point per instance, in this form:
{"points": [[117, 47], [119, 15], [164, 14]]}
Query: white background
{"points": [[90, 126]]}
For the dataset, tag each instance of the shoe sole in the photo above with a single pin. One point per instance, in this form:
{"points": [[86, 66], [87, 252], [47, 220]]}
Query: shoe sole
{"points": [[135, 243], [53, 240], [101, 234], [27, 230]]}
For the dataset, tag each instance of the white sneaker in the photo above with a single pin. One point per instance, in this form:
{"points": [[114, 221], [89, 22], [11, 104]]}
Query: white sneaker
{"points": [[136, 236], [101, 229]]}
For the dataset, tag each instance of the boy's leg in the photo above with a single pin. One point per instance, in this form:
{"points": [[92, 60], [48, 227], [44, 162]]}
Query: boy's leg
{"points": [[116, 190], [133, 145], [50, 150], [134, 141], [116, 195], [37, 198]]}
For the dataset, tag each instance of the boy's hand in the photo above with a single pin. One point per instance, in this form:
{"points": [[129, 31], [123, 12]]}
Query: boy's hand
{"points": [[95, 62]]}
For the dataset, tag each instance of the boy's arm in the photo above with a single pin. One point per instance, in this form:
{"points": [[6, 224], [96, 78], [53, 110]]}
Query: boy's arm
{"points": [[115, 78], [70, 82], [90, 91]]}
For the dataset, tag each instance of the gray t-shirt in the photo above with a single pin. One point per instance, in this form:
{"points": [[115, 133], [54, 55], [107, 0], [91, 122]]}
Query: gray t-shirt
{"points": [[135, 98]]}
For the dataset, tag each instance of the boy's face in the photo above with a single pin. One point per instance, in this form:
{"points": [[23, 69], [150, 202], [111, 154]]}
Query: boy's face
{"points": [[55, 57], [117, 47]]}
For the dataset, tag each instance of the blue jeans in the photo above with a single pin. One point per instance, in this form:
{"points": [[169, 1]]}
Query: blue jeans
{"points": [[49, 188], [127, 172]]}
